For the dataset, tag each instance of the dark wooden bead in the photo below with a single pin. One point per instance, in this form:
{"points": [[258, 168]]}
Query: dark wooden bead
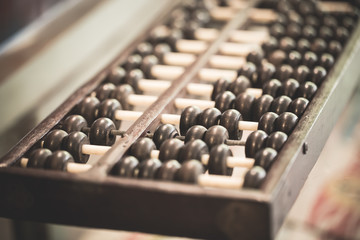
{"points": [[144, 49], [216, 135], [104, 91], [125, 167], [247, 70], [108, 108], [168, 170], [161, 49], [163, 132], [309, 32], [327, 61], [277, 30], [38, 157], [310, 59], [348, 23], [280, 104], [141, 148], [312, 20], [209, 117], [294, 58], [174, 35], [303, 45], [133, 77], [307, 8], [267, 122], [326, 33], [287, 44], [294, 16], [243, 103], [218, 160], [190, 171], [195, 132], [284, 72], [335, 48], [286, 122], [307, 90], [318, 75], [88, 108], [293, 30], [272, 87], [73, 144], [255, 141], [239, 85], [193, 150], [224, 101], [298, 106], [201, 15], [58, 160], [277, 57], [330, 21], [276, 140], [147, 169], [74, 123], [117, 75], [190, 28], [255, 57], [302, 73], [230, 120], [265, 158], [219, 86], [121, 93], [147, 64], [270, 45], [53, 139], [260, 106], [100, 132], [318, 46], [189, 117], [289, 88], [266, 72], [132, 62], [170, 149], [254, 177]]}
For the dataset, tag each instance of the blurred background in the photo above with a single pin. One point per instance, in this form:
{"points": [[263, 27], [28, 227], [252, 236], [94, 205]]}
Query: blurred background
{"points": [[49, 48]]}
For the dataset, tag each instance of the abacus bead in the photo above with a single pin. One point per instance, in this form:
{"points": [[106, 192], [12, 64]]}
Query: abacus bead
{"points": [[74, 123], [58, 160], [255, 57], [220, 86], [307, 90], [302, 73], [53, 139], [310, 59], [100, 132], [267, 122], [265, 158], [318, 75], [104, 91], [193, 150], [107, 109], [326, 33], [38, 157], [224, 101], [330, 21], [261, 106], [287, 44], [216, 135], [174, 35], [254, 177], [289, 87], [209, 117], [335, 48], [255, 141], [141, 149], [218, 160], [189, 117], [88, 108], [117, 76], [230, 120], [190, 171], [276, 140], [341, 34], [125, 167], [280, 104], [294, 58], [277, 30], [147, 64], [144, 49], [147, 169], [133, 61], [318, 46], [163, 132], [190, 28], [73, 144], [195, 132], [284, 72], [243, 103], [247, 70], [270, 45], [240, 85], [170, 149], [303, 45], [168, 170], [327, 61], [133, 78], [293, 30], [298, 106], [121, 93], [161, 49], [266, 72], [309, 32], [272, 87], [277, 57], [286, 122]]}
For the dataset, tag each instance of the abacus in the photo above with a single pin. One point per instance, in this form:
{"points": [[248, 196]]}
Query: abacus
{"points": [[229, 105]]}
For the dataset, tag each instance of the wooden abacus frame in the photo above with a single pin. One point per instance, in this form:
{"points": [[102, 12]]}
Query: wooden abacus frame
{"points": [[96, 199]]}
